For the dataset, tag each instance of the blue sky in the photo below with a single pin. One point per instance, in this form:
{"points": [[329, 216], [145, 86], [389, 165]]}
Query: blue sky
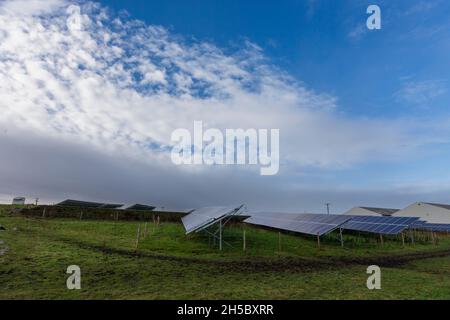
{"points": [[363, 114], [326, 45]]}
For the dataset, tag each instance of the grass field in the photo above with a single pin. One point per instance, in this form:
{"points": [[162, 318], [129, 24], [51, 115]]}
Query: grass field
{"points": [[169, 265]]}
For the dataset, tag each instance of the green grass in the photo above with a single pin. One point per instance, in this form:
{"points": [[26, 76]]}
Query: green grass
{"points": [[169, 265]]}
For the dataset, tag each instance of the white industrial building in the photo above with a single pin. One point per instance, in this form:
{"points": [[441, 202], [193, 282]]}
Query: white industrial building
{"points": [[371, 211], [430, 212], [18, 200]]}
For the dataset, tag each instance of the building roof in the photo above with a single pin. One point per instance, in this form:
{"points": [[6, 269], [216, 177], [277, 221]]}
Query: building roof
{"points": [[445, 206], [382, 211]]}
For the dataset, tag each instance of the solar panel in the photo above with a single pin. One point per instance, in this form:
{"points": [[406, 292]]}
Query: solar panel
{"points": [[140, 207], [88, 204], [383, 225], [436, 227], [110, 206], [202, 218], [307, 223]]}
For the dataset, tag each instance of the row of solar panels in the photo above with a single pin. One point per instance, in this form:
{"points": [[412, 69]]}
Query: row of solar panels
{"points": [[312, 224], [435, 227], [321, 224], [382, 225], [97, 205]]}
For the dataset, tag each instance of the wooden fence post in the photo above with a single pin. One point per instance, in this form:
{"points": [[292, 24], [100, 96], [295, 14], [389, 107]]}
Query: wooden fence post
{"points": [[279, 241], [137, 236], [145, 230], [433, 238]]}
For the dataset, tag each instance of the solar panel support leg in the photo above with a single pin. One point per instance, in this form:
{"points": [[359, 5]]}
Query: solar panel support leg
{"points": [[411, 236], [381, 240], [220, 235], [217, 234], [318, 241], [403, 238], [342, 238]]}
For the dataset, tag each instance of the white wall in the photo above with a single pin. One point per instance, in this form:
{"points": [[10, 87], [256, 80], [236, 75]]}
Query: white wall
{"points": [[430, 213]]}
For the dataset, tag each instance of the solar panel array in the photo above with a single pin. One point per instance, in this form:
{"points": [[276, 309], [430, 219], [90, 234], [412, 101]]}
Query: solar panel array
{"points": [[203, 217], [110, 205], [307, 223], [140, 207], [382, 225], [88, 204], [436, 227]]}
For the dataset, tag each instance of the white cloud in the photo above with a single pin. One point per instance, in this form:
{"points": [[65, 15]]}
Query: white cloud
{"points": [[422, 92], [125, 85], [422, 6], [30, 7], [357, 32]]}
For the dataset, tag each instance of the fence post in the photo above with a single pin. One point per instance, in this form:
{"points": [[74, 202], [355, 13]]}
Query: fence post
{"points": [[279, 241], [137, 236]]}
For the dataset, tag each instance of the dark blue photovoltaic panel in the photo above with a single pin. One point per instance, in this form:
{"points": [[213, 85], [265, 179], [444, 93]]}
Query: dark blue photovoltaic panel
{"points": [[436, 227], [307, 223], [140, 207], [206, 216], [88, 204], [382, 225]]}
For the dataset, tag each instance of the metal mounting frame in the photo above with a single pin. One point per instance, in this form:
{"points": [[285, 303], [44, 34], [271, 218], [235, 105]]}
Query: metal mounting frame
{"points": [[217, 234]]}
